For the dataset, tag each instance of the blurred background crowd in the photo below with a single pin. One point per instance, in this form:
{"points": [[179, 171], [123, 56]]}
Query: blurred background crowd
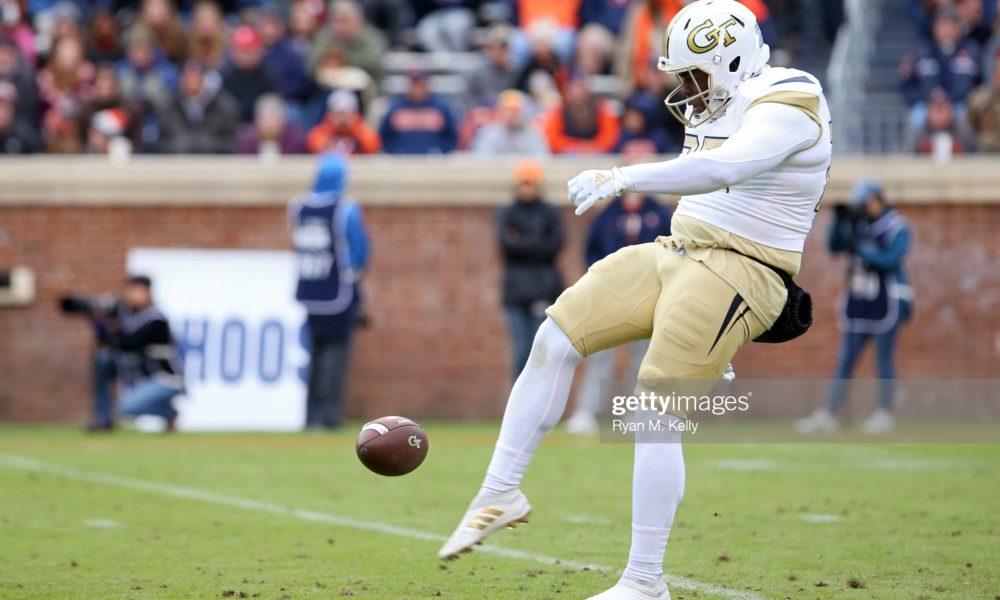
{"points": [[303, 76], [429, 76]]}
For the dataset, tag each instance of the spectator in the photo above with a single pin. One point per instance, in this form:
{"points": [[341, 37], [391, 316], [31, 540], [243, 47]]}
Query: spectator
{"points": [[284, 59], [496, 74], [942, 133], [530, 233], [768, 28], [207, 38], [977, 17], [270, 134], [334, 72], [107, 96], [642, 39], [657, 87], [544, 68], [583, 124], [61, 21], [513, 131], [364, 44], [67, 77], [984, 112], [145, 75], [558, 18], [595, 46], [418, 122], [628, 220], [876, 303], [342, 129], [991, 54], [61, 128], [303, 23], [160, 17], [103, 38], [17, 136], [920, 12], [639, 132], [16, 71], [202, 118], [606, 13], [14, 29], [949, 61], [330, 275], [246, 78], [107, 128], [444, 25]]}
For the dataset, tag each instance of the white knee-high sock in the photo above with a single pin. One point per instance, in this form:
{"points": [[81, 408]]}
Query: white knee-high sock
{"points": [[657, 488], [536, 403]]}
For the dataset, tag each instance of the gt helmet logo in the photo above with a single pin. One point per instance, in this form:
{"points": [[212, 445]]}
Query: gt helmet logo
{"points": [[712, 37]]}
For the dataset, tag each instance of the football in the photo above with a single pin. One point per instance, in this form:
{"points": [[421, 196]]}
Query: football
{"points": [[392, 446]]}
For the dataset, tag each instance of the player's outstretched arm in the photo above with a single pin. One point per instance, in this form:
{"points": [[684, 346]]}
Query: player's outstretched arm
{"points": [[769, 134]]}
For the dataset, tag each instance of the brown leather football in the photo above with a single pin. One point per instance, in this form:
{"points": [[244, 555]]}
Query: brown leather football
{"points": [[392, 446]]}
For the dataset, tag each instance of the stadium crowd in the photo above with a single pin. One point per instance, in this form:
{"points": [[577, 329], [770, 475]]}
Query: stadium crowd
{"points": [[301, 76], [951, 78]]}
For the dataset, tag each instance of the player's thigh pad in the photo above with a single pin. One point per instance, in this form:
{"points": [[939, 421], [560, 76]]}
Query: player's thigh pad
{"points": [[613, 302], [700, 322]]}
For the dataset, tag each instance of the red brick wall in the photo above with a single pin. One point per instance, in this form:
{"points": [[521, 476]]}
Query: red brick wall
{"points": [[438, 346]]}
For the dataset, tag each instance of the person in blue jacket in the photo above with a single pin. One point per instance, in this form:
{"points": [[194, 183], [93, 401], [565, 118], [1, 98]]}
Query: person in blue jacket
{"points": [[878, 299], [329, 237], [419, 122], [628, 220]]}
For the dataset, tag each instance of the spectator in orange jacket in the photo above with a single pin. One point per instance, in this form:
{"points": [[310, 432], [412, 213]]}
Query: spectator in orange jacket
{"points": [[342, 129], [555, 19], [583, 124], [641, 40]]}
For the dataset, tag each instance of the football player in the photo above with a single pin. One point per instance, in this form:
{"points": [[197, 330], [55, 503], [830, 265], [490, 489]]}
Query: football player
{"points": [[751, 177]]}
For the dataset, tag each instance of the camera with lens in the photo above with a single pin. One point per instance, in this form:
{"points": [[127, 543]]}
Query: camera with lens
{"points": [[846, 218], [105, 305]]}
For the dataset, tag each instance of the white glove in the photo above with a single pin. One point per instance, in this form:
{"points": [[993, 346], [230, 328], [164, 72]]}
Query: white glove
{"points": [[729, 374], [590, 187]]}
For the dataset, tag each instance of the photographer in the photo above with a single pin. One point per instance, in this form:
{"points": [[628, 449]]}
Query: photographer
{"points": [[877, 300], [135, 350]]}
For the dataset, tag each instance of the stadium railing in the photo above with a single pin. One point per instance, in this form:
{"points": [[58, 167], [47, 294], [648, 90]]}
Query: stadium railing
{"points": [[848, 71]]}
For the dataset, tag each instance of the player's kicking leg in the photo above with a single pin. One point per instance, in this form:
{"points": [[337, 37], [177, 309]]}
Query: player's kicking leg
{"points": [[536, 403]]}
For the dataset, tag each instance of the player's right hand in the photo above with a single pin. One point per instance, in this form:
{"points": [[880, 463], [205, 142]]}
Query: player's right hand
{"points": [[592, 186]]}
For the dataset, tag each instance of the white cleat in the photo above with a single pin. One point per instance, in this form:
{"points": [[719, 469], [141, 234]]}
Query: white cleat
{"points": [[880, 422], [627, 589], [505, 510], [821, 421], [581, 423]]}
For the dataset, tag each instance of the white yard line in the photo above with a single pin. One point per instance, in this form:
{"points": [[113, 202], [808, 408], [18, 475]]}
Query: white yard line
{"points": [[102, 523], [165, 489], [815, 518], [587, 520]]}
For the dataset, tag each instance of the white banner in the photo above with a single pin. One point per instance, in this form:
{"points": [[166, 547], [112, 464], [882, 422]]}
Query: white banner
{"points": [[234, 315]]}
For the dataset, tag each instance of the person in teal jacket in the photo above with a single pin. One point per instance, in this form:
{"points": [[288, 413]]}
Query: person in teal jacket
{"points": [[876, 302]]}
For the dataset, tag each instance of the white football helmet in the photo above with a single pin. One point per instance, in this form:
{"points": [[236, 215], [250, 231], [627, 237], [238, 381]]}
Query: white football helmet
{"points": [[721, 38]]}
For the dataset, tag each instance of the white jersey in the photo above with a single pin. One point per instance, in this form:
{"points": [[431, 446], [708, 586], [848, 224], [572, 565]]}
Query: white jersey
{"points": [[759, 174]]}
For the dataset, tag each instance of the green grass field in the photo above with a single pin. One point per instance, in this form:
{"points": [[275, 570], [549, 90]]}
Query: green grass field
{"points": [[296, 516]]}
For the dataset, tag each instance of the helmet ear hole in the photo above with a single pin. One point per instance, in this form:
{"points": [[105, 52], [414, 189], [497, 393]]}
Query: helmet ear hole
{"points": [[735, 65]]}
